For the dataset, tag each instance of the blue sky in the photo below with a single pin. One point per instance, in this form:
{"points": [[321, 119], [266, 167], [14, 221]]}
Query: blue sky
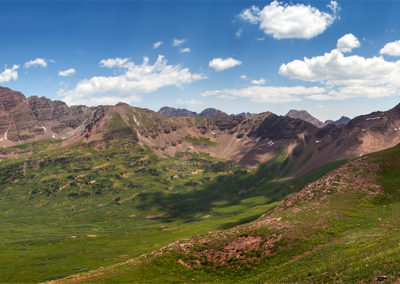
{"points": [[330, 58]]}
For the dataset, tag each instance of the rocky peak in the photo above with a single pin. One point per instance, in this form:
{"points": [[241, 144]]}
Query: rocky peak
{"points": [[304, 115], [210, 112], [170, 112], [10, 99]]}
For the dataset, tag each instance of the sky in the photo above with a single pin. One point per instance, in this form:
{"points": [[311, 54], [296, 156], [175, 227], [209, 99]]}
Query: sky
{"points": [[331, 58]]}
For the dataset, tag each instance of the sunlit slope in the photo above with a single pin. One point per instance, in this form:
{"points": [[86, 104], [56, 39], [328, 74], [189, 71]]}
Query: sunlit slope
{"points": [[344, 227]]}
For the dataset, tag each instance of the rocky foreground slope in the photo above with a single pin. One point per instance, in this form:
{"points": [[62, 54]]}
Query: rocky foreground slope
{"points": [[245, 140]]}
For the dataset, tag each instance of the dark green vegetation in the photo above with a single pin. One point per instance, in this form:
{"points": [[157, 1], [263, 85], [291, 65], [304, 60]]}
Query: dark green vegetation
{"points": [[70, 209], [344, 228]]}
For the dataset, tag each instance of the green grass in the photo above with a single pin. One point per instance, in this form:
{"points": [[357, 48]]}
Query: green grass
{"points": [[66, 210], [347, 236]]}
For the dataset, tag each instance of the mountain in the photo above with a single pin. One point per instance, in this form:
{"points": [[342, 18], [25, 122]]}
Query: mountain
{"points": [[343, 120], [248, 142], [27, 119], [170, 112], [210, 112], [175, 112], [304, 115]]}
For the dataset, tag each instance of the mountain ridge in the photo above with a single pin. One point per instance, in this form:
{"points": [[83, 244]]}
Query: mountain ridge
{"points": [[247, 141]]}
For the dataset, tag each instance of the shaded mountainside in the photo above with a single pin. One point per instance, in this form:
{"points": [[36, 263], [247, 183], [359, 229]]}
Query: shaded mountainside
{"points": [[344, 227]]}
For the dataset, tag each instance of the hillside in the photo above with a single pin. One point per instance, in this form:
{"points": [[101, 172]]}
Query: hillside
{"points": [[70, 209], [343, 227]]}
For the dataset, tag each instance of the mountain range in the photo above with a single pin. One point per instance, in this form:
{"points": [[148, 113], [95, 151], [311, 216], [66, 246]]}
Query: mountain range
{"points": [[125, 194], [247, 140]]}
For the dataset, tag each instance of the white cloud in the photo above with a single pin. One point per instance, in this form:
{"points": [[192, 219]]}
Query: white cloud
{"points": [[238, 33], [220, 64], [36, 62], [346, 76], [267, 94], [347, 42], [114, 62], [67, 72], [177, 42], [9, 74], [291, 21], [391, 48], [184, 50], [260, 81], [243, 77], [127, 87], [157, 44], [189, 102]]}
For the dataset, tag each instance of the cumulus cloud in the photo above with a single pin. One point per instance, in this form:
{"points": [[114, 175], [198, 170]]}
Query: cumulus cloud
{"points": [[220, 64], [243, 77], [260, 81], [38, 62], [184, 50], [267, 94], [347, 42], [157, 44], [391, 48], [282, 21], [177, 42], [9, 74], [67, 72], [128, 86], [114, 62], [346, 76]]}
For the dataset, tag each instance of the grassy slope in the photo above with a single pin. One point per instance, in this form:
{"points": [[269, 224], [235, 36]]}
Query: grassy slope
{"points": [[348, 232], [66, 210]]}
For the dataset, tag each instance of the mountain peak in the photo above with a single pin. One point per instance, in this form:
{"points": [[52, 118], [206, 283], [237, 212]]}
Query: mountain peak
{"points": [[170, 112], [304, 115], [210, 112]]}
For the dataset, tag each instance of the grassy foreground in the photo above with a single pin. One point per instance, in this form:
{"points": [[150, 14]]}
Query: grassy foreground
{"points": [[67, 210], [342, 228]]}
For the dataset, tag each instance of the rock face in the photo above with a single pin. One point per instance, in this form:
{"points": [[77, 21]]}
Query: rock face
{"points": [[171, 112], [27, 119]]}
